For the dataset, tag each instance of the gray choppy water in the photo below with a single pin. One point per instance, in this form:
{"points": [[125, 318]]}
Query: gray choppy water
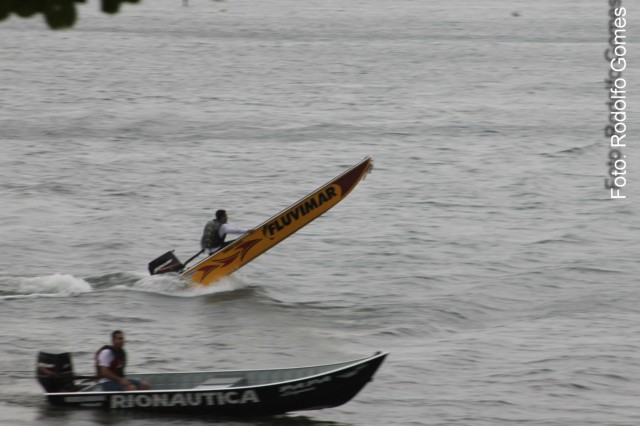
{"points": [[482, 251]]}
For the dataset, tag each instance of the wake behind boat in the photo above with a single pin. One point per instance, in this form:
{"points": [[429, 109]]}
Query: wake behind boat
{"points": [[268, 234], [219, 393]]}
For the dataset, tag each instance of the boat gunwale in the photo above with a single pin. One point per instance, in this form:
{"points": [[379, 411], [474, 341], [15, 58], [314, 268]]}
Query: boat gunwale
{"points": [[349, 364], [230, 246]]}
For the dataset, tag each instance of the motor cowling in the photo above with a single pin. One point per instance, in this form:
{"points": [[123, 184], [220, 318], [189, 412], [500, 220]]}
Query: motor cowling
{"points": [[168, 262], [55, 372]]}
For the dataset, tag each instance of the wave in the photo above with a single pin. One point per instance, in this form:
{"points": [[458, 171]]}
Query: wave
{"points": [[173, 285], [45, 286], [64, 285]]}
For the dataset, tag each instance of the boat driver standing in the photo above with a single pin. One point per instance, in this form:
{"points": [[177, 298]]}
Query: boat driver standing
{"points": [[215, 231], [110, 363]]}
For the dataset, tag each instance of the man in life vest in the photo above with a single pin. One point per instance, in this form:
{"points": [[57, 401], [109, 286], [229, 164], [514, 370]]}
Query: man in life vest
{"points": [[110, 363], [215, 232]]}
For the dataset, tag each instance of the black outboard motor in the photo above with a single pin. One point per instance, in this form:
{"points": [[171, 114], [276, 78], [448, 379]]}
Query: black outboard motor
{"points": [[55, 372], [168, 262]]}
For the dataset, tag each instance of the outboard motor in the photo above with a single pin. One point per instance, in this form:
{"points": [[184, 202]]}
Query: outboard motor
{"points": [[55, 372], [168, 262]]}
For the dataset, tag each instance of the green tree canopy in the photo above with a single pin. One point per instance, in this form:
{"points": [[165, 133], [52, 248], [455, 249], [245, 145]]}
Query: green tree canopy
{"points": [[58, 14]]}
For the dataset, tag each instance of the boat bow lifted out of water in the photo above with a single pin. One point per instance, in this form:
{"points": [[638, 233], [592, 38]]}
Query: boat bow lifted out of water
{"points": [[218, 393], [266, 235]]}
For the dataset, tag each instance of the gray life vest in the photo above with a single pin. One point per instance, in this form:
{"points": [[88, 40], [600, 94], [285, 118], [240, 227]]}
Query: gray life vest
{"points": [[211, 237]]}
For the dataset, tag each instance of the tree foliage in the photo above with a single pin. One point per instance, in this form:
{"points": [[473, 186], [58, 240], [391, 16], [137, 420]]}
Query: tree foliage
{"points": [[58, 14]]}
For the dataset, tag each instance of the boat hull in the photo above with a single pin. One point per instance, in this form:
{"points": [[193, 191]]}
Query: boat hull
{"points": [[277, 228], [328, 389]]}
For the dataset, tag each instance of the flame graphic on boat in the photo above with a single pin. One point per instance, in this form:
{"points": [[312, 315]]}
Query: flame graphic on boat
{"points": [[240, 251]]}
